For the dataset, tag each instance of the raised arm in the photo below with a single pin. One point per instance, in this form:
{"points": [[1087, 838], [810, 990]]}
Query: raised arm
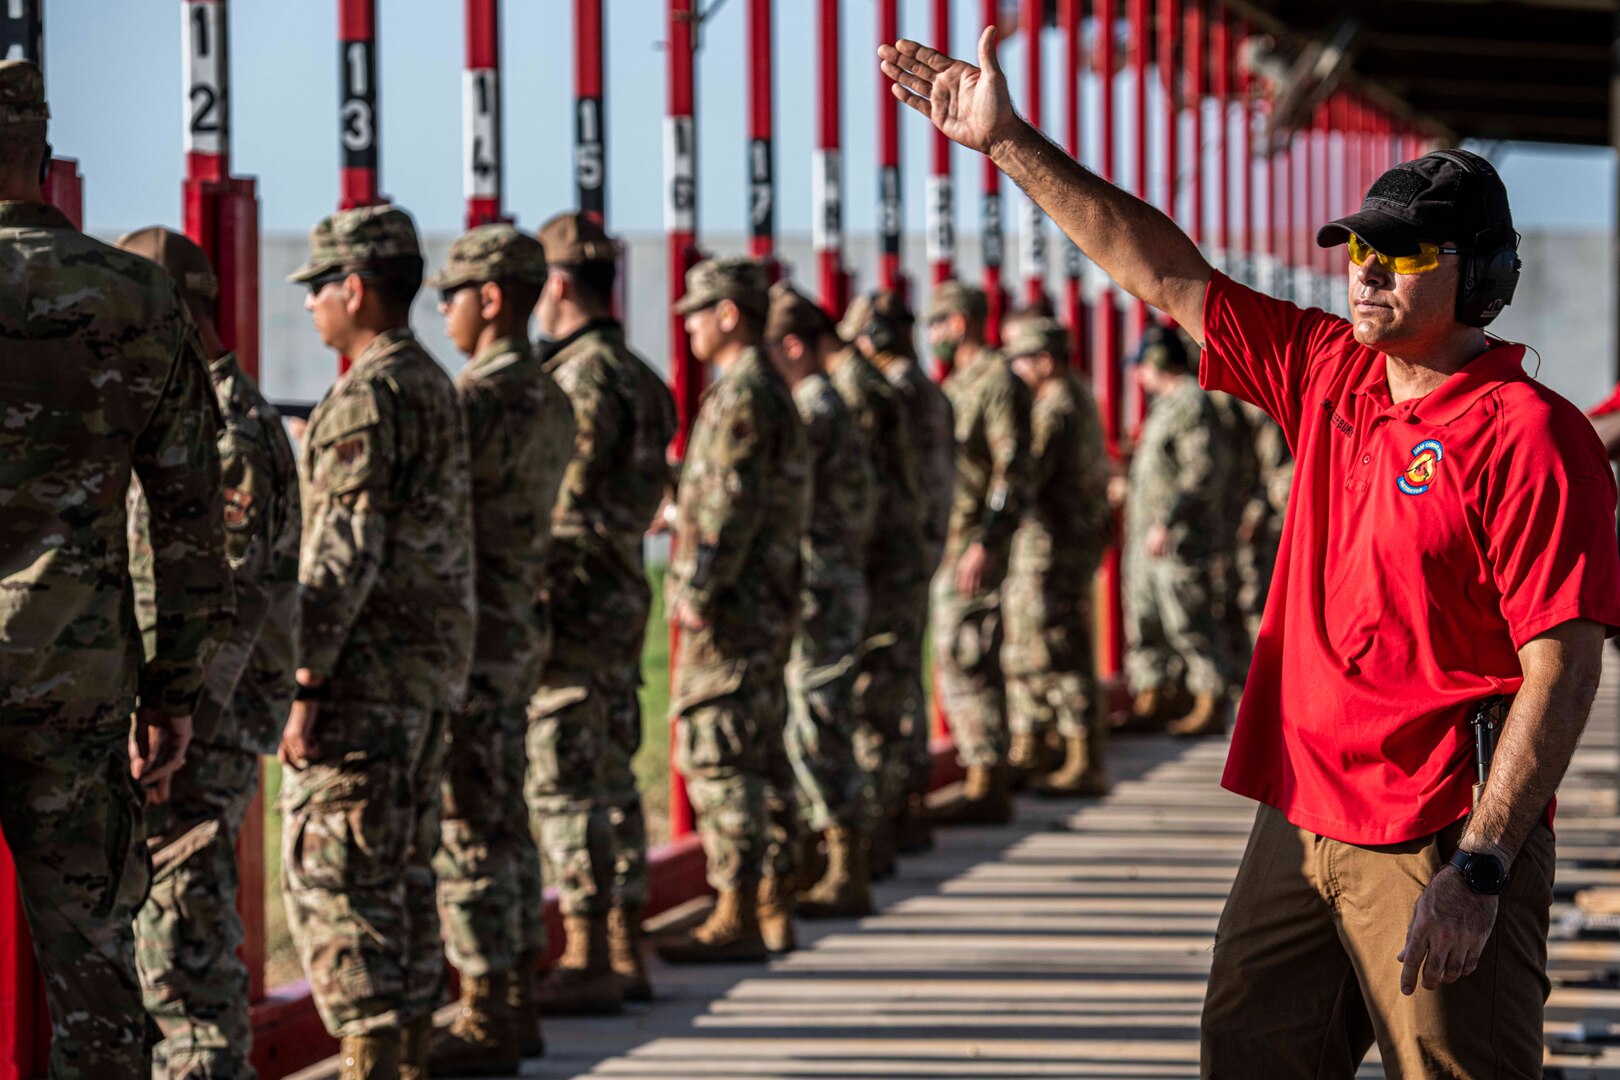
{"points": [[1136, 245]]}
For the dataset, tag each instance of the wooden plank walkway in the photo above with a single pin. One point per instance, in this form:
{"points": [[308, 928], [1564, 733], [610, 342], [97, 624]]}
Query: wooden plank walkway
{"points": [[1073, 943]]}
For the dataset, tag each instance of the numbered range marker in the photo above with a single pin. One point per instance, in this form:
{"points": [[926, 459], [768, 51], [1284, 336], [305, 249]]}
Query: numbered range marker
{"points": [[206, 104], [357, 110], [481, 132]]}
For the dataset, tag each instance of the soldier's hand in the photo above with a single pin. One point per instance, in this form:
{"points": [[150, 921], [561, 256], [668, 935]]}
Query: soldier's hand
{"points": [[157, 749], [298, 744], [971, 569], [971, 105], [1118, 486], [689, 619], [663, 521], [1450, 926], [1157, 541]]}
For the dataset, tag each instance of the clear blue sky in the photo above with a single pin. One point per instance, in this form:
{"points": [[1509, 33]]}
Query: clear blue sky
{"points": [[114, 74]]}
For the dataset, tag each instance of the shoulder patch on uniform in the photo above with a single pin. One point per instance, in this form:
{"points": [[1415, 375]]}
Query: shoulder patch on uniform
{"points": [[238, 508]]}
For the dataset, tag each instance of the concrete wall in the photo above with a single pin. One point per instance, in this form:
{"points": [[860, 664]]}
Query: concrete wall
{"points": [[1565, 307]]}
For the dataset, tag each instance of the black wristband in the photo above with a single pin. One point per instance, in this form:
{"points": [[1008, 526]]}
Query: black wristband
{"points": [[311, 693]]}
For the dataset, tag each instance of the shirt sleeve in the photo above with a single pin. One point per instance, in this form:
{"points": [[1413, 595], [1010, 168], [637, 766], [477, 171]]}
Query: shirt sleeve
{"points": [[1549, 522], [730, 504], [1262, 349], [347, 531], [1007, 433], [1610, 404]]}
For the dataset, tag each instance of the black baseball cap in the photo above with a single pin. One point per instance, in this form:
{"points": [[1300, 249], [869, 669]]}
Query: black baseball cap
{"points": [[1445, 195]]}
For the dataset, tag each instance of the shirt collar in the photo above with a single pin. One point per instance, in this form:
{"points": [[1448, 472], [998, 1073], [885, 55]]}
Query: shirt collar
{"points": [[384, 343], [14, 215], [1454, 397], [498, 348]]}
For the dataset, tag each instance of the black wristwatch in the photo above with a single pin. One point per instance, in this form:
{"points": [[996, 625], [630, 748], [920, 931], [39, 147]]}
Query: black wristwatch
{"points": [[1482, 873]]}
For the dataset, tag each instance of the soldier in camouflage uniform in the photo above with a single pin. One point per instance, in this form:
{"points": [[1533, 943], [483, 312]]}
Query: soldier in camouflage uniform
{"points": [[1234, 428], [1047, 656], [734, 593], [892, 701], [799, 339], [992, 412], [188, 931], [1178, 470], [102, 379], [520, 431], [385, 641], [1260, 532], [586, 720]]}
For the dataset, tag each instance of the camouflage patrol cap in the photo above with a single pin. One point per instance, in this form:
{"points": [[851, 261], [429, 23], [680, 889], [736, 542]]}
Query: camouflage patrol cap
{"points": [[22, 92], [356, 238], [576, 239], [742, 281], [1036, 334], [185, 262], [794, 314], [492, 253], [856, 316], [1165, 348], [958, 298]]}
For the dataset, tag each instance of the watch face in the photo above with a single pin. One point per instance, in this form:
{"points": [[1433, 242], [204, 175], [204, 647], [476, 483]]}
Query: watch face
{"points": [[1485, 874]]}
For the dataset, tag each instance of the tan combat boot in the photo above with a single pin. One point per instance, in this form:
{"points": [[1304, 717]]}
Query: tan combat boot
{"points": [[482, 1040], [624, 952], [525, 1013], [1208, 717], [1147, 711], [373, 1056], [846, 890], [776, 914], [913, 830], [1082, 772], [583, 982], [731, 933], [415, 1039], [986, 799]]}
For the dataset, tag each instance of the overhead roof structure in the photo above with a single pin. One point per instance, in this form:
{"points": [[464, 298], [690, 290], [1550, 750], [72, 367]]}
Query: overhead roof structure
{"points": [[1536, 70]]}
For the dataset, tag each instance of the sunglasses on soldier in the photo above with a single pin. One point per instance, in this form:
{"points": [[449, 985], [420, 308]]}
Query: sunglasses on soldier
{"points": [[316, 284]]}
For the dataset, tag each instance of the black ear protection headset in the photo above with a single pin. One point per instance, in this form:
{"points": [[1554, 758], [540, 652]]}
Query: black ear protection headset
{"points": [[880, 330], [45, 165], [1490, 268]]}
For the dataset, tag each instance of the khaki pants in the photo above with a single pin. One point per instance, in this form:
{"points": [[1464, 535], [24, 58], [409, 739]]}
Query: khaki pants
{"points": [[1306, 980]]}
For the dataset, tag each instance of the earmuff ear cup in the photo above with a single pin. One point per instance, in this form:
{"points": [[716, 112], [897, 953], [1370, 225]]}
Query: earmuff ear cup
{"points": [[881, 333], [45, 165], [1487, 286]]}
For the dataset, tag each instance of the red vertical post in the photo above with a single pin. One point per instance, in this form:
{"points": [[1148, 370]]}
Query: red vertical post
{"points": [[590, 121], [992, 235], [890, 221], [761, 153], [1248, 223], [1196, 52], [1170, 80], [1282, 248], [827, 176], [1321, 197], [1220, 52], [1032, 229], [1108, 371], [941, 202], [1141, 48], [1352, 151], [357, 105], [1075, 311], [680, 221], [221, 215], [482, 160]]}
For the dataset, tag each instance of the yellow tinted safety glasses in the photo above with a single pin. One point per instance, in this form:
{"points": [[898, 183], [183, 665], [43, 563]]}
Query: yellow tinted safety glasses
{"points": [[1427, 258]]}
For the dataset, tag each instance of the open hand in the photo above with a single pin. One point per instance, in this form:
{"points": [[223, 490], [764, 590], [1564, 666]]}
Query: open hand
{"points": [[298, 744], [1450, 926], [157, 749], [969, 104]]}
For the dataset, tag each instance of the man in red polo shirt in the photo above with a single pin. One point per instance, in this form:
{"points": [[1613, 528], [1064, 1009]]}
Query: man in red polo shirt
{"points": [[1450, 537]]}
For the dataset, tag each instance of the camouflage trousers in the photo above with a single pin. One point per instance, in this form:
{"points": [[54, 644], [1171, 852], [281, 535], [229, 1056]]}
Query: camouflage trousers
{"points": [[1226, 585], [731, 749], [1047, 655], [821, 677], [483, 840], [360, 830], [568, 733], [890, 705], [620, 791], [1170, 627], [73, 820], [967, 667], [188, 931]]}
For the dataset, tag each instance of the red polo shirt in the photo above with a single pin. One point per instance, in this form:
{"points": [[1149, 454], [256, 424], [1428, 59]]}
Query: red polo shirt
{"points": [[1424, 543]]}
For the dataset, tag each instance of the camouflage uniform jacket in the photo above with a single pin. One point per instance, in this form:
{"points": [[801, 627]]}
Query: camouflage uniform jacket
{"points": [[1178, 470], [896, 538], [744, 504], [841, 487], [1235, 430], [385, 581], [249, 684], [520, 431], [992, 410], [624, 419], [101, 379], [1274, 468], [932, 426], [1066, 522]]}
